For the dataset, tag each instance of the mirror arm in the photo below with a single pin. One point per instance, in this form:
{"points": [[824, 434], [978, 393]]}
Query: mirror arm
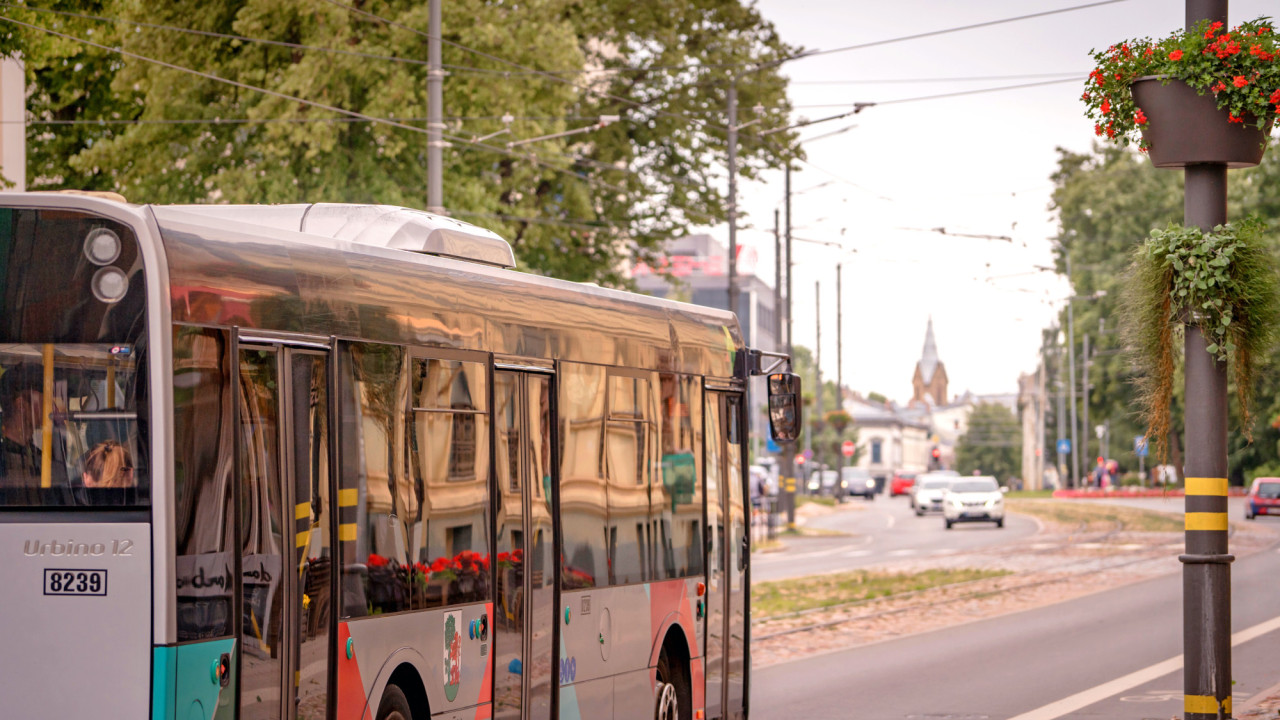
{"points": [[757, 366]]}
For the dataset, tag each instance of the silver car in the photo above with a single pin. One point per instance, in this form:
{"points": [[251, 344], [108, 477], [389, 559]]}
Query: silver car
{"points": [[929, 491]]}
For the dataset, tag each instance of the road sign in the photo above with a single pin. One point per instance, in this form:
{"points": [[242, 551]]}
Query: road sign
{"points": [[846, 448], [1064, 446], [808, 454], [799, 458], [1140, 446], [772, 446]]}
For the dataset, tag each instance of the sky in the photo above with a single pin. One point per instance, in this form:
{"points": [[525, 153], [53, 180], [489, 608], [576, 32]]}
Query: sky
{"points": [[979, 164]]}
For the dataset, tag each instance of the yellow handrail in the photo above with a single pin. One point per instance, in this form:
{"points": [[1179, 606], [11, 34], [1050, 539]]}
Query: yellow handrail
{"points": [[46, 429]]}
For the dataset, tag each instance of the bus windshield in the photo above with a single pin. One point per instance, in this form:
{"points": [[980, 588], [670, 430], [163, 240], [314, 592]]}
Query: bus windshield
{"points": [[72, 362]]}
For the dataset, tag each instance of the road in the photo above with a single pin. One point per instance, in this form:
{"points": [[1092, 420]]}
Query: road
{"points": [[1015, 665], [880, 531]]}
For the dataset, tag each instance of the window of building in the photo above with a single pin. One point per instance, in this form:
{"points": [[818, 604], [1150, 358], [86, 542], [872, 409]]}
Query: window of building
{"points": [[877, 451]]}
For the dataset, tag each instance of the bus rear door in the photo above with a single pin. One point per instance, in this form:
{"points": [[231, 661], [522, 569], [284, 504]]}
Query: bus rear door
{"points": [[727, 559]]}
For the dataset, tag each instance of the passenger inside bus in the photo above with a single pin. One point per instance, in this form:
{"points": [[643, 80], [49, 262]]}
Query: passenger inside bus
{"points": [[21, 404], [108, 465]]}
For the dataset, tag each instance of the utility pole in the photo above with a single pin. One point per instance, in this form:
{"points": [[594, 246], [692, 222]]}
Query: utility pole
{"points": [[1071, 380], [1084, 391], [789, 449], [1042, 402], [435, 111], [777, 282], [839, 339], [817, 369], [733, 194], [1063, 479], [1206, 568]]}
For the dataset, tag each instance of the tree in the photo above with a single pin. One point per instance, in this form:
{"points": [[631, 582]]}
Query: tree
{"points": [[577, 207], [1108, 201], [993, 443]]}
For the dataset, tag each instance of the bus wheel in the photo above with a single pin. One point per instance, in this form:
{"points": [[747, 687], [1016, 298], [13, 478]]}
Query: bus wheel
{"points": [[672, 690], [394, 705]]}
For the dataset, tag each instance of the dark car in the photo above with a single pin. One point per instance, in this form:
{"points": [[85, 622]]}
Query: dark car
{"points": [[1264, 498], [857, 481]]}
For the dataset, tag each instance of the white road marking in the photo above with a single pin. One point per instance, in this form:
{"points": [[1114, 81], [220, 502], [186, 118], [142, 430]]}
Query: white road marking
{"points": [[901, 553], [857, 553], [1101, 692], [891, 521]]}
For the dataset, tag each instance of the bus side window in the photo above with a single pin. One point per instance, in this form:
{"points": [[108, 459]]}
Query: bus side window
{"points": [[583, 508]]}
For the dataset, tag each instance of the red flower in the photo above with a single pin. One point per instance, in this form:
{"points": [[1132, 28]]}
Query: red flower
{"points": [[1148, 52], [1140, 117], [1106, 106], [1097, 129], [376, 560], [1215, 27], [1275, 97], [1111, 130], [1085, 96], [1175, 55], [1239, 81], [1232, 118], [440, 564], [1219, 86]]}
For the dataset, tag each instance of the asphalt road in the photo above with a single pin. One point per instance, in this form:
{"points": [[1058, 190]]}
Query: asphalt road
{"points": [[1015, 665], [883, 530]]}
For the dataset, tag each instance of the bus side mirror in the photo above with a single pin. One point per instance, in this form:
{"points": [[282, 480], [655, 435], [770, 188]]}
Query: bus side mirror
{"points": [[784, 406]]}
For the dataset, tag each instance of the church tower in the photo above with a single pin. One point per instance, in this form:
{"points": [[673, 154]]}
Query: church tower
{"points": [[930, 381]]}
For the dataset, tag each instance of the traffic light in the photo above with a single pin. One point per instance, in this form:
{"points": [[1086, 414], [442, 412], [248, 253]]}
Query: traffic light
{"points": [[935, 458]]}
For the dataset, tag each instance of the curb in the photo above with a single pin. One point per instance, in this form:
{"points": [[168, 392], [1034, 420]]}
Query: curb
{"points": [[1127, 494]]}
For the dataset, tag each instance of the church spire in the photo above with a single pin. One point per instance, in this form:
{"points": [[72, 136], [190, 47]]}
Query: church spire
{"points": [[929, 358]]}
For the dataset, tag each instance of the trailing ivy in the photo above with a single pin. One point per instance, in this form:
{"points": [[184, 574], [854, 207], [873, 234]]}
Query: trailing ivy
{"points": [[1223, 282]]}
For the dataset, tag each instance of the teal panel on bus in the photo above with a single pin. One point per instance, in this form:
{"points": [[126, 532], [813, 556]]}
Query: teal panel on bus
{"points": [[187, 685], [164, 664]]}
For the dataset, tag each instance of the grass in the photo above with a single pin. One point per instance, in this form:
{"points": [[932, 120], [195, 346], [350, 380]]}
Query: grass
{"points": [[806, 531], [802, 500], [1025, 494], [1097, 516], [780, 597]]}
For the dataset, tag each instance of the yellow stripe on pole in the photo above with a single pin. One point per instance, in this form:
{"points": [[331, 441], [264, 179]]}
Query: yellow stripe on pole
{"points": [[1206, 486], [303, 538], [347, 532], [302, 511], [46, 428], [348, 498], [1206, 521], [1206, 705]]}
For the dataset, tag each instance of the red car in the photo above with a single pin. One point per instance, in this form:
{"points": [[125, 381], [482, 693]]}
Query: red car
{"points": [[901, 483], [1264, 498]]}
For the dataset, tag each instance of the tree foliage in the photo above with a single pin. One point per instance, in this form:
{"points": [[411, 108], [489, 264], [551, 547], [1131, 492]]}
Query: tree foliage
{"points": [[577, 207], [992, 445], [1108, 201]]}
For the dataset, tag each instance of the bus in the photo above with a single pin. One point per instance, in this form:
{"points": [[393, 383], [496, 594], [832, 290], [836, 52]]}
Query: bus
{"points": [[344, 461]]}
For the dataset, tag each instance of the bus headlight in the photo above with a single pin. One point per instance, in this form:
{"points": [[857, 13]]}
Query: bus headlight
{"points": [[102, 246], [110, 284]]}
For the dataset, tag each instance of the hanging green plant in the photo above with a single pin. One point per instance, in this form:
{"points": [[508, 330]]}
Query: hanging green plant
{"points": [[1223, 282]]}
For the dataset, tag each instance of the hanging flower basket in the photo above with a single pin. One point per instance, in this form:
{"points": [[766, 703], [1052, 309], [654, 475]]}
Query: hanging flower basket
{"points": [[1187, 128], [1206, 95]]}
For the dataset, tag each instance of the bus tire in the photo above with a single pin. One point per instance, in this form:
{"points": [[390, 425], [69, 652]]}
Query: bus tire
{"points": [[674, 698], [394, 705]]}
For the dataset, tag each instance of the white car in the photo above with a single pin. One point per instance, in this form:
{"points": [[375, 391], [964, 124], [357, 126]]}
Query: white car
{"points": [[974, 499], [928, 492]]}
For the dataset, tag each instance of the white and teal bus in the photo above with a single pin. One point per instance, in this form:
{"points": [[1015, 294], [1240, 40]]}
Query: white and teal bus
{"points": [[343, 461]]}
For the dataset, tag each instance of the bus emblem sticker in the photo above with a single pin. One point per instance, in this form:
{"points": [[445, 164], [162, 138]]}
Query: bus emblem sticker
{"points": [[452, 655]]}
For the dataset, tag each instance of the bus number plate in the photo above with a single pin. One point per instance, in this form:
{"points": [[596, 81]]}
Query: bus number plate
{"points": [[75, 582]]}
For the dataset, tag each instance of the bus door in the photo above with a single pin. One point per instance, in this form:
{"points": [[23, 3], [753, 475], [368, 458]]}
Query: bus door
{"points": [[726, 557], [524, 615], [283, 521]]}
